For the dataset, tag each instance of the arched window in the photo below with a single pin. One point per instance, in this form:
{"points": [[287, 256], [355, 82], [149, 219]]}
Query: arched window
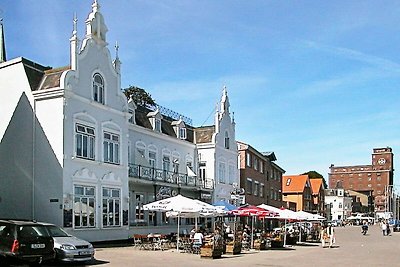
{"points": [[226, 140], [98, 88]]}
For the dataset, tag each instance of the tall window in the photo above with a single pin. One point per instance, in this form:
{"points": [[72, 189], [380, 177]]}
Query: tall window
{"points": [[157, 125], [111, 148], [132, 116], [221, 172], [255, 163], [84, 206], [249, 186], [85, 141], [175, 166], [256, 188], [182, 133], [111, 207], [261, 166], [139, 211], [152, 159], [202, 167], [226, 140], [248, 160], [98, 88], [262, 186], [166, 166]]}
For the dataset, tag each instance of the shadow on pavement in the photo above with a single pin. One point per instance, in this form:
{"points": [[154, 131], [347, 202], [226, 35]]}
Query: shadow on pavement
{"points": [[308, 244], [76, 264]]}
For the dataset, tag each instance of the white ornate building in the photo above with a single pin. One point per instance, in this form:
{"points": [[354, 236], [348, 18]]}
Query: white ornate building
{"points": [[76, 153], [218, 154], [65, 139]]}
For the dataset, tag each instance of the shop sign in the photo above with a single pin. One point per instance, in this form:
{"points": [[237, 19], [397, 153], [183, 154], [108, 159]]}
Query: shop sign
{"points": [[165, 192], [205, 196]]}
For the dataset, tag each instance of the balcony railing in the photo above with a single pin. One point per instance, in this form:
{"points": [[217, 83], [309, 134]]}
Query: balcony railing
{"points": [[158, 175]]}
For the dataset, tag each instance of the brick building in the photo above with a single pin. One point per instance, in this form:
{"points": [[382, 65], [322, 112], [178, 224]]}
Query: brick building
{"points": [[374, 180], [260, 177]]}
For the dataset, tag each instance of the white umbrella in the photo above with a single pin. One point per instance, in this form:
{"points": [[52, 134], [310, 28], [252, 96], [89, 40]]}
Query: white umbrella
{"points": [[284, 214], [180, 206]]}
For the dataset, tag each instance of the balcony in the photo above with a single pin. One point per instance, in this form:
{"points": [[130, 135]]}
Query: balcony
{"points": [[169, 177]]}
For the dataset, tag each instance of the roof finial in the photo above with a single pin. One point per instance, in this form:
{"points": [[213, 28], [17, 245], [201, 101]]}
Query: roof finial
{"points": [[116, 49], [2, 43], [95, 6], [75, 20]]}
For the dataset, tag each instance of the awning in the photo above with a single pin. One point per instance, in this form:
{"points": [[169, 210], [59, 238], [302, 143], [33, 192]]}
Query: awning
{"points": [[190, 173]]}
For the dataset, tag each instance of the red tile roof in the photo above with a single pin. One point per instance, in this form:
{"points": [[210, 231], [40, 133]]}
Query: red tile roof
{"points": [[294, 183], [316, 184]]}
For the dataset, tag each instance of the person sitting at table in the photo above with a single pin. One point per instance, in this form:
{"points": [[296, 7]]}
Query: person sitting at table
{"points": [[198, 238]]}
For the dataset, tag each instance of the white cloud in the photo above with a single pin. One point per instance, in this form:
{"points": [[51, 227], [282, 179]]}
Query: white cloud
{"points": [[378, 62]]}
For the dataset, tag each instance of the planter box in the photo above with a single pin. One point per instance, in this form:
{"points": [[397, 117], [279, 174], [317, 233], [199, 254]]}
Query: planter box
{"points": [[233, 248], [210, 253], [260, 245]]}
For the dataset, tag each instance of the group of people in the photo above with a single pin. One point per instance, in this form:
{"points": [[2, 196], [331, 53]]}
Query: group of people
{"points": [[327, 235], [385, 227]]}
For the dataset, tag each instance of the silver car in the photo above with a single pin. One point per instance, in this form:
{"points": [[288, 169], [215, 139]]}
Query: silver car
{"points": [[70, 248]]}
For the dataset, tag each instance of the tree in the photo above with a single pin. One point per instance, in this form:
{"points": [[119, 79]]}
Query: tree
{"points": [[139, 96], [314, 174]]}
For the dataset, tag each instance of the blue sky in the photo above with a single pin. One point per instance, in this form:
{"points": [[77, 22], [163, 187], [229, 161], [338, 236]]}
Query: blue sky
{"points": [[314, 81]]}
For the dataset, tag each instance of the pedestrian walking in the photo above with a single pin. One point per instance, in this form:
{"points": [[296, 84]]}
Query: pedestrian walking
{"points": [[331, 234], [384, 228], [323, 235], [387, 228]]}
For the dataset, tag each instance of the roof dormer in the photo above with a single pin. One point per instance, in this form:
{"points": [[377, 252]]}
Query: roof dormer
{"points": [[179, 128], [155, 118], [132, 111]]}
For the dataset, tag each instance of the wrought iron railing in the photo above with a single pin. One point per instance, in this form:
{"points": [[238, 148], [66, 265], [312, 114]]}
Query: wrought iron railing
{"points": [[153, 174]]}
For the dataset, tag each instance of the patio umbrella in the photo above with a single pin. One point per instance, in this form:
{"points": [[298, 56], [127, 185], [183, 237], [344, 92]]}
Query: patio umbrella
{"points": [[178, 204], [253, 211]]}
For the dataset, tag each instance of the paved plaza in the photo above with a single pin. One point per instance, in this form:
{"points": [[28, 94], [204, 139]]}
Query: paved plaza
{"points": [[351, 249]]}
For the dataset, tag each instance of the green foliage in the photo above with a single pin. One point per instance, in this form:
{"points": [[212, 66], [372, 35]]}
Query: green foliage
{"points": [[313, 174], [139, 96]]}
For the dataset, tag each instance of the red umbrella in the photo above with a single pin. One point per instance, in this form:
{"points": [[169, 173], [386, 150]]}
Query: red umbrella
{"points": [[253, 211], [250, 210]]}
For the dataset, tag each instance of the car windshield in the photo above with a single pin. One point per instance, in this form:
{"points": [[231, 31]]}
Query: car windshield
{"points": [[27, 231], [56, 231]]}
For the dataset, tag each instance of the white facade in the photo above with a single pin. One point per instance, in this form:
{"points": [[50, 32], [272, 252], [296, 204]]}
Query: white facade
{"points": [[76, 144], [220, 155], [71, 145], [340, 204]]}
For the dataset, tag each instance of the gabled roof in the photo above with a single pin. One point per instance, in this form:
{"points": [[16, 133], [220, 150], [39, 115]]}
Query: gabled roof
{"points": [[294, 183], [204, 134], [316, 185]]}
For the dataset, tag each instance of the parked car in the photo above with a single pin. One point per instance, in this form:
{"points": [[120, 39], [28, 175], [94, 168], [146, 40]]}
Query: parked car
{"points": [[69, 248], [24, 242]]}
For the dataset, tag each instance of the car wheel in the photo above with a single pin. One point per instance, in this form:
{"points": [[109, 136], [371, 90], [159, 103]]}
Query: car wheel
{"points": [[4, 262]]}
